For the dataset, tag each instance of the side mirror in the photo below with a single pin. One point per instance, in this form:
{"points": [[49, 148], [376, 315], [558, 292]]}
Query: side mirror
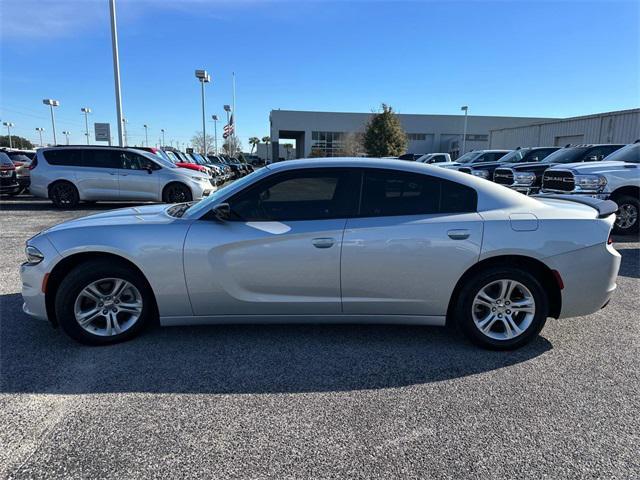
{"points": [[592, 158], [222, 212], [149, 170]]}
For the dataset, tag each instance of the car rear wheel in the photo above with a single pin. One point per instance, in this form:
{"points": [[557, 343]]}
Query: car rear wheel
{"points": [[627, 216], [103, 302], [64, 195], [502, 308], [176, 193]]}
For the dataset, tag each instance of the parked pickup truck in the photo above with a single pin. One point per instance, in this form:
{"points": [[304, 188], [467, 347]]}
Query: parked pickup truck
{"points": [[434, 158], [476, 156], [615, 178], [527, 177], [519, 155]]}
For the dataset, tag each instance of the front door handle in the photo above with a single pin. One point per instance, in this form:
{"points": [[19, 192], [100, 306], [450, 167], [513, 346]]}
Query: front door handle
{"points": [[323, 242], [458, 234]]}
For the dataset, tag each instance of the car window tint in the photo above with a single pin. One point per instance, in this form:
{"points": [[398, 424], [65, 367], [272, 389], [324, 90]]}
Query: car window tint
{"points": [[65, 157], [133, 161], [299, 195], [101, 158], [391, 193], [600, 152], [5, 161], [539, 154]]}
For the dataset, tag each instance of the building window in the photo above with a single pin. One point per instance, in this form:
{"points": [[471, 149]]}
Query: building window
{"points": [[417, 137], [328, 144], [477, 138]]}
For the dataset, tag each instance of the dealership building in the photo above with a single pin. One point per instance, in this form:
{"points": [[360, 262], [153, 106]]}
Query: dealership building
{"points": [[326, 133]]}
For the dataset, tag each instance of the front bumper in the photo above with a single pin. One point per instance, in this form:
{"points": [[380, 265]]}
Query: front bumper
{"points": [[527, 190], [33, 277]]}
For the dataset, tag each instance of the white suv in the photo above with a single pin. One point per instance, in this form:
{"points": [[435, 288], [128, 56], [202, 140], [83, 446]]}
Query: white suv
{"points": [[69, 175]]}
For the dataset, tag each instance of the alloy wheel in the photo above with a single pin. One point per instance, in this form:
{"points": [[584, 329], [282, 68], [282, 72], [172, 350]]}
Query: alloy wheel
{"points": [[503, 309], [627, 216], [108, 307]]}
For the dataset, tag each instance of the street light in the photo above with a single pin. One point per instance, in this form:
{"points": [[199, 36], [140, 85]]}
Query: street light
{"points": [[465, 109], [203, 77], [40, 130], [124, 131], [146, 134], [52, 103], [86, 111], [116, 70], [163, 142], [9, 125], [215, 132], [66, 133]]}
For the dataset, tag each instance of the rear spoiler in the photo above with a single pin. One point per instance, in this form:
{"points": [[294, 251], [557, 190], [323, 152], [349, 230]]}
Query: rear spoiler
{"points": [[604, 207]]}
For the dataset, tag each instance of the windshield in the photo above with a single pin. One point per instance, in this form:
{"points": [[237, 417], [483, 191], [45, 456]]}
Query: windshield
{"points": [[172, 157], [565, 155], [158, 159], [515, 156], [630, 154], [468, 157]]}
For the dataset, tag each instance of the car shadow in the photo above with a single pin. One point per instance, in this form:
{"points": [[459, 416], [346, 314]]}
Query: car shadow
{"points": [[36, 358], [18, 204], [630, 265]]}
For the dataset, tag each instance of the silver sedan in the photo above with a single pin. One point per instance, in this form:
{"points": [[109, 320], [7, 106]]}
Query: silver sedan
{"points": [[330, 240]]}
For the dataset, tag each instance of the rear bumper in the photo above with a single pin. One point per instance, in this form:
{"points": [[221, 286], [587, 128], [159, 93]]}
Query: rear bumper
{"points": [[589, 277]]}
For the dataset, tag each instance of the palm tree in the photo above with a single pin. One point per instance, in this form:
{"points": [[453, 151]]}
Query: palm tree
{"points": [[267, 141], [253, 141]]}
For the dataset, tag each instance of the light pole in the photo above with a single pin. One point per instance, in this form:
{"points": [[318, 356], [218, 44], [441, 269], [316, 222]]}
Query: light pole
{"points": [[9, 125], [86, 111], [116, 69], [215, 132], [465, 109], [52, 103], [124, 132], [163, 142], [66, 133], [40, 130], [203, 77], [146, 134]]}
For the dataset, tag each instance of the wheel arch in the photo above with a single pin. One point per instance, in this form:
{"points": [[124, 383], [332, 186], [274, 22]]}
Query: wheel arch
{"points": [[58, 181], [64, 266], [631, 190], [542, 272]]}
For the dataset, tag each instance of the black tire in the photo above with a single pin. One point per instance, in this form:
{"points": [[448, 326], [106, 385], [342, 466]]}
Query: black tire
{"points": [[87, 273], [626, 223], [463, 312], [64, 194], [176, 193]]}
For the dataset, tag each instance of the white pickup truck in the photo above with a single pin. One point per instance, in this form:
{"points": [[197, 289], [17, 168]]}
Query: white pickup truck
{"points": [[616, 177]]}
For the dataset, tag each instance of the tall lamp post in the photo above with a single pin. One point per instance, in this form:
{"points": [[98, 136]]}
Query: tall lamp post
{"points": [[124, 131], [163, 142], [203, 77], [52, 103], [465, 109], [215, 132], [146, 134], [40, 130], [66, 133], [9, 125], [86, 111], [116, 71]]}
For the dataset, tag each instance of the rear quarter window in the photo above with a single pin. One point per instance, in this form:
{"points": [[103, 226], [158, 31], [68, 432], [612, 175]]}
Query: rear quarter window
{"points": [[63, 157]]}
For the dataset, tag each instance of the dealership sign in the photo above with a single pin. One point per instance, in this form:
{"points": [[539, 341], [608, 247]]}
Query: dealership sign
{"points": [[103, 132]]}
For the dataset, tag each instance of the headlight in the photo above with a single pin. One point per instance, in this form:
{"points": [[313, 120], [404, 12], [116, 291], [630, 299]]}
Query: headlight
{"points": [[591, 182], [200, 179], [524, 178], [34, 256], [480, 173]]}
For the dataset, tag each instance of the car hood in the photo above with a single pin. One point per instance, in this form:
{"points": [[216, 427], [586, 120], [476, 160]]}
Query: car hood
{"points": [[531, 166], [449, 164], [155, 214], [593, 167]]}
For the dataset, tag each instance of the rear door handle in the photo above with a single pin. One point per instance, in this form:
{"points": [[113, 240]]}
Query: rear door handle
{"points": [[458, 234], [323, 242]]}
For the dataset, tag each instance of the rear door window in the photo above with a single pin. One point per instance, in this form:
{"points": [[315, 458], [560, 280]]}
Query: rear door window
{"points": [[99, 158], [391, 193]]}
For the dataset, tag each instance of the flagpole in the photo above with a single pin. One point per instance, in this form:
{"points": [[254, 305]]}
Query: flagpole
{"points": [[235, 117]]}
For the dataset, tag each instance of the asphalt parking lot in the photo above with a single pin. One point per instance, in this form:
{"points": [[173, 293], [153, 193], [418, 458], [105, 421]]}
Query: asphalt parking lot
{"points": [[315, 401]]}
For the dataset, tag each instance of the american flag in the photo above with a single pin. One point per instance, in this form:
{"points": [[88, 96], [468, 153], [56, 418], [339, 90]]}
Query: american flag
{"points": [[229, 128]]}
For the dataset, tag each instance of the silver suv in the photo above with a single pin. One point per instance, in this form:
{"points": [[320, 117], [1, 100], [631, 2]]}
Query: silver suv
{"points": [[69, 175], [617, 178]]}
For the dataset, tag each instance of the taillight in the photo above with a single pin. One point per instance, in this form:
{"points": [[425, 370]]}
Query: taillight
{"points": [[610, 240], [34, 163]]}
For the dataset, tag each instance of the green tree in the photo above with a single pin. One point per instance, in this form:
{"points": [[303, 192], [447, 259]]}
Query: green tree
{"points": [[16, 142], [288, 147], [384, 136], [253, 141]]}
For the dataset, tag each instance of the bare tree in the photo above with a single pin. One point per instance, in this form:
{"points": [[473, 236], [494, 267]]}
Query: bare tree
{"points": [[353, 145], [232, 145], [196, 141]]}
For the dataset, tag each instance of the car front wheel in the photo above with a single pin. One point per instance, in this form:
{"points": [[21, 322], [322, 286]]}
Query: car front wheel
{"points": [[103, 302], [176, 193], [627, 216], [502, 308]]}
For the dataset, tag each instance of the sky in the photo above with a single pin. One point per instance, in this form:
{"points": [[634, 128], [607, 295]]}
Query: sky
{"points": [[513, 58]]}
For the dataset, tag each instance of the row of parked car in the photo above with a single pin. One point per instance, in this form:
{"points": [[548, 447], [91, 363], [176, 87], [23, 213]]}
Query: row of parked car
{"points": [[71, 174], [604, 171]]}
